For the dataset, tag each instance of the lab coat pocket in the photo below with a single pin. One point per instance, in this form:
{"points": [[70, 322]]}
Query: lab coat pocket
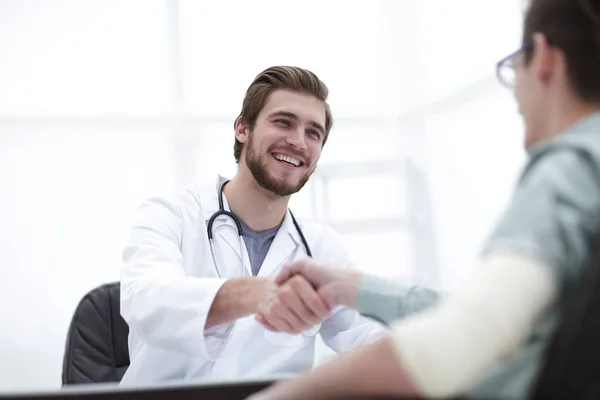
{"points": [[292, 339]]}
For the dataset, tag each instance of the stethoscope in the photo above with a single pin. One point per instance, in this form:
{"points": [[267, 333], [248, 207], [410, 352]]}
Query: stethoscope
{"points": [[238, 226]]}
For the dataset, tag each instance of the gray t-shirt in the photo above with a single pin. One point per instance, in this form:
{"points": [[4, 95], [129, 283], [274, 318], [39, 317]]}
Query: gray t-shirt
{"points": [[258, 244], [554, 215]]}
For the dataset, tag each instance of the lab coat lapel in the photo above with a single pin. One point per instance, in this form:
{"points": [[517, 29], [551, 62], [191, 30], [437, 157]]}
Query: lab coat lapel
{"points": [[284, 247], [225, 233]]}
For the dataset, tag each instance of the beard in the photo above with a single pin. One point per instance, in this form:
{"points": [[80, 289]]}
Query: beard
{"points": [[265, 180]]}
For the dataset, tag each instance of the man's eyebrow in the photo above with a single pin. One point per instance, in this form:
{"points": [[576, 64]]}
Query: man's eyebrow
{"points": [[284, 114], [291, 115]]}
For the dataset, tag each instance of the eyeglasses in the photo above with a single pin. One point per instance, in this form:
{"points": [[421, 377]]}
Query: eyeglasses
{"points": [[505, 68]]}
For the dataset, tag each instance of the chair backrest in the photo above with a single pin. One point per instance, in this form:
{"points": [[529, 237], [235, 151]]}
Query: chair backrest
{"points": [[570, 364], [96, 349]]}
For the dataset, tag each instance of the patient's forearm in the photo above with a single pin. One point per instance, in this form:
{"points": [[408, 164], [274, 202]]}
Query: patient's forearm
{"points": [[444, 350], [369, 370]]}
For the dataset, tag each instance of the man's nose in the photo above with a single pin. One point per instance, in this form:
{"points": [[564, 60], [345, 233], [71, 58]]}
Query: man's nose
{"points": [[297, 139]]}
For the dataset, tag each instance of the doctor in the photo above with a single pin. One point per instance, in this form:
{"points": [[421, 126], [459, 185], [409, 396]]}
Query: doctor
{"points": [[191, 304]]}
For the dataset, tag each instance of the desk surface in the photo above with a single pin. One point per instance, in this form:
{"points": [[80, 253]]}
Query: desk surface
{"points": [[207, 391]]}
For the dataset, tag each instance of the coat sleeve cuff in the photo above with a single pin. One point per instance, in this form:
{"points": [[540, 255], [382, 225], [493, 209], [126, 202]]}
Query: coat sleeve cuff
{"points": [[216, 337]]}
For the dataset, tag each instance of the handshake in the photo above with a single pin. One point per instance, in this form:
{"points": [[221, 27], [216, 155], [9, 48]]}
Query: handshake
{"points": [[303, 295]]}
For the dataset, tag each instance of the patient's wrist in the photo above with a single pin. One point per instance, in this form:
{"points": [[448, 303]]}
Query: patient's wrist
{"points": [[350, 288]]}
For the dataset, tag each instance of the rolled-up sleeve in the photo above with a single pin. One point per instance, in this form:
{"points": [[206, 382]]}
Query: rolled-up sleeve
{"points": [[385, 300]]}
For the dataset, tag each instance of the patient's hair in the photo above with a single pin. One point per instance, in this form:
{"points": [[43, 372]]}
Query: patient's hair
{"points": [[574, 27], [280, 77]]}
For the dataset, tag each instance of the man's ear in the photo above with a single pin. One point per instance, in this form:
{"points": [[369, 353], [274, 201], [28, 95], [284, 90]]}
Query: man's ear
{"points": [[545, 58], [241, 131]]}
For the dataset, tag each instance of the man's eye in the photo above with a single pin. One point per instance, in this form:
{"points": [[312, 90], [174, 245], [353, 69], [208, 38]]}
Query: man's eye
{"points": [[283, 122]]}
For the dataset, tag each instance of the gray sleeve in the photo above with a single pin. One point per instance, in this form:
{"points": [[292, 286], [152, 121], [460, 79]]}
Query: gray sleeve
{"points": [[554, 213], [386, 301]]}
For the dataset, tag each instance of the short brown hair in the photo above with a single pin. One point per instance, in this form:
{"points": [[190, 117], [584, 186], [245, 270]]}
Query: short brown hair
{"points": [[574, 27], [280, 77]]}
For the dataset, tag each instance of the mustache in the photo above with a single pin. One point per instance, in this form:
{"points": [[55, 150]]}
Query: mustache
{"points": [[301, 155]]}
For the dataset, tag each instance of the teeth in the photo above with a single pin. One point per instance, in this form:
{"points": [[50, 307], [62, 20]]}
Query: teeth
{"points": [[290, 160]]}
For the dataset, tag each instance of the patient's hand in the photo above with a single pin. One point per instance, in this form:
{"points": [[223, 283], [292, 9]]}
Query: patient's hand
{"points": [[337, 286], [309, 288]]}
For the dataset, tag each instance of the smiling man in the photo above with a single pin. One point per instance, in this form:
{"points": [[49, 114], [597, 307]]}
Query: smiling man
{"points": [[200, 264]]}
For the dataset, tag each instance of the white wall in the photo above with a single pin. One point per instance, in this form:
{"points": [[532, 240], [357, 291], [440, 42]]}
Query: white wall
{"points": [[476, 152], [68, 200], [473, 133], [103, 103]]}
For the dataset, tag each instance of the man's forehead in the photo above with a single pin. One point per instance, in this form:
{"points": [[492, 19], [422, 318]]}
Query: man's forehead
{"points": [[299, 105]]}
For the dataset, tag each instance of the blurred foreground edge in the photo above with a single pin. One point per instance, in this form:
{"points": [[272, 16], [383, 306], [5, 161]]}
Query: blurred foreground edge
{"points": [[215, 391]]}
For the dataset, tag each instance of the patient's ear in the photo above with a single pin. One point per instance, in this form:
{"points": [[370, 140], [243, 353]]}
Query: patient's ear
{"points": [[545, 59], [241, 131]]}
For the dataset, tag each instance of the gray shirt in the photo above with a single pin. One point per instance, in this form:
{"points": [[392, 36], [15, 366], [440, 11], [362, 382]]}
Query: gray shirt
{"points": [[386, 301], [257, 244], [554, 216]]}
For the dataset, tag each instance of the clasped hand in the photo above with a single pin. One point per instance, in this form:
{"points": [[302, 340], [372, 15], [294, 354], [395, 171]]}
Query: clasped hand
{"points": [[291, 305], [304, 294]]}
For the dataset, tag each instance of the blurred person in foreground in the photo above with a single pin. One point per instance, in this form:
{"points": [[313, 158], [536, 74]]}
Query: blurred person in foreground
{"points": [[489, 338]]}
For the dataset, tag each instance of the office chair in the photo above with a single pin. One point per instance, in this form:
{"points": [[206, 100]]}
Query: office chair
{"points": [[570, 364], [96, 348]]}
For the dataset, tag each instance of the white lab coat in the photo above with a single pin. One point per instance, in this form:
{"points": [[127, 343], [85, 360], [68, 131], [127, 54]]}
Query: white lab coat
{"points": [[169, 281]]}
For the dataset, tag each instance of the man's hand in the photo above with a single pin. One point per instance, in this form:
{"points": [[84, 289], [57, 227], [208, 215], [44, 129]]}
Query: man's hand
{"points": [[291, 307], [308, 287], [336, 286]]}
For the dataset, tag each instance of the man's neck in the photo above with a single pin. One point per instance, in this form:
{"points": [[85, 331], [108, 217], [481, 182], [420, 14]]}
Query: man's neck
{"points": [[257, 207], [568, 112]]}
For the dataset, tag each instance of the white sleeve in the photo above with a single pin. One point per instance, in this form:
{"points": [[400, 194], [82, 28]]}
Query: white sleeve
{"points": [[160, 303], [446, 348], [346, 329]]}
